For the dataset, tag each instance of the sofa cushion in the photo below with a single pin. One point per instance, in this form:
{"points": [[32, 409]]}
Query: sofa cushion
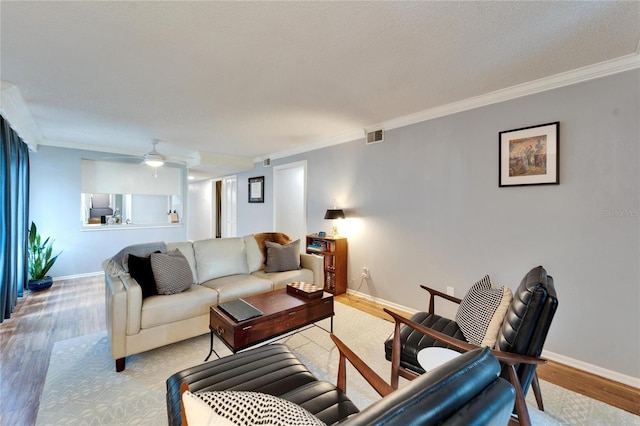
{"points": [[186, 248], [237, 286], [253, 408], [219, 257], [140, 270], [282, 258], [171, 272], [159, 310], [481, 312], [281, 279]]}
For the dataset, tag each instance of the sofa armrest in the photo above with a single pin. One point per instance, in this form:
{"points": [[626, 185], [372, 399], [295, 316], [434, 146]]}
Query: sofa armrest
{"points": [[116, 313], [316, 264], [134, 305]]}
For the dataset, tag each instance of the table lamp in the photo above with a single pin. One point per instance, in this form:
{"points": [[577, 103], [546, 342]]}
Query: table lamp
{"points": [[333, 214]]}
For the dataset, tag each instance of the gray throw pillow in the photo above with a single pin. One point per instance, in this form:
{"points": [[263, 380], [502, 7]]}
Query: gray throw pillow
{"points": [[171, 271], [282, 258]]}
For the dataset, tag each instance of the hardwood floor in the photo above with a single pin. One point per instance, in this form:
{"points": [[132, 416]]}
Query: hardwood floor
{"points": [[75, 307], [69, 309]]}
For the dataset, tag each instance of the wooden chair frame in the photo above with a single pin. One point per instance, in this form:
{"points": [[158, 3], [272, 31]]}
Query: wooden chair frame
{"points": [[510, 360]]}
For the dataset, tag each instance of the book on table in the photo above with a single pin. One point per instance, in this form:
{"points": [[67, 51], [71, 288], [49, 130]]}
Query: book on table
{"points": [[240, 310]]}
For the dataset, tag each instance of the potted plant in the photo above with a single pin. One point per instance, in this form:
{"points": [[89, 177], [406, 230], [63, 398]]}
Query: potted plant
{"points": [[40, 260]]}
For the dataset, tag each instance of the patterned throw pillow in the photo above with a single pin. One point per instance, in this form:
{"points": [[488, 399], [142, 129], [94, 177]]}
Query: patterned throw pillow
{"points": [[171, 271], [282, 258], [246, 408], [482, 312]]}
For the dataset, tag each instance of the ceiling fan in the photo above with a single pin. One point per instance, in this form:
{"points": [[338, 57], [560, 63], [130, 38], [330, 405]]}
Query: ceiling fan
{"points": [[154, 159]]}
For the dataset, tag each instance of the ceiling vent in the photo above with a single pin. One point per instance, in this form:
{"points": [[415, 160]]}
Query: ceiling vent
{"points": [[266, 162], [374, 136]]}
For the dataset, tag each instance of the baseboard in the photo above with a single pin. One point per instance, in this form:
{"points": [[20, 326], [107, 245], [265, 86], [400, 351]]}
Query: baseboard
{"points": [[592, 369], [561, 359], [86, 275]]}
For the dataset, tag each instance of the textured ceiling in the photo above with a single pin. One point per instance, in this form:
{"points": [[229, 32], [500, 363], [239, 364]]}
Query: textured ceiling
{"points": [[250, 79]]}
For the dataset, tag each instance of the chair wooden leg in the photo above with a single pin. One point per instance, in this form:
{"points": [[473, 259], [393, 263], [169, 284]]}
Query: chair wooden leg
{"points": [[535, 385], [521, 405]]}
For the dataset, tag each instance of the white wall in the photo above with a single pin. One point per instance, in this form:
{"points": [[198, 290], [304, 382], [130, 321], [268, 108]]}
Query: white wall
{"points": [[424, 207]]}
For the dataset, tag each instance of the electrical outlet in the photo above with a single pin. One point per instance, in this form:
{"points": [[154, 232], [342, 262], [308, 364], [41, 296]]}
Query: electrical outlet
{"points": [[450, 291], [365, 272]]}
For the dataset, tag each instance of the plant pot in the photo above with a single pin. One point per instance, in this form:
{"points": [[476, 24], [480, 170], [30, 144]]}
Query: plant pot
{"points": [[41, 284]]}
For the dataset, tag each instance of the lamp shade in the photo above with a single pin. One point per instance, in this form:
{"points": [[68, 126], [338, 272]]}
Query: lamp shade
{"points": [[334, 214]]}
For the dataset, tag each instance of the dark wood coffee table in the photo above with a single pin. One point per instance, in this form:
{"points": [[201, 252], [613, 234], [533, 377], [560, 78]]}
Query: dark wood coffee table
{"points": [[281, 313]]}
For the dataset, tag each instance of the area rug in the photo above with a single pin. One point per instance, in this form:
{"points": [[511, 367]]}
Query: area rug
{"points": [[82, 386]]}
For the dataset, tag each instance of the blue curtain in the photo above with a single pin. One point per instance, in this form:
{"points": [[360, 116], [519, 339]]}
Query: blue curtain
{"points": [[14, 216]]}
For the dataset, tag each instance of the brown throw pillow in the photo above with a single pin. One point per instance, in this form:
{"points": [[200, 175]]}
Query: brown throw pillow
{"points": [[171, 271]]}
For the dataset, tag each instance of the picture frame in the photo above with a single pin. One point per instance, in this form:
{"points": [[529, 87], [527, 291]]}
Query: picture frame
{"points": [[529, 156], [256, 189]]}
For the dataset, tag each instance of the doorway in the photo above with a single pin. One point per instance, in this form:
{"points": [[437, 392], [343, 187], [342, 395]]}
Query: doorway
{"points": [[290, 200]]}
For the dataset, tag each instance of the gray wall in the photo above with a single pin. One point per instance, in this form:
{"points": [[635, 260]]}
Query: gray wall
{"points": [[55, 207], [425, 208]]}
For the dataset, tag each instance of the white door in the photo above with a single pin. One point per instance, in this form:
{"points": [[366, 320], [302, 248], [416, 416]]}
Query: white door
{"points": [[290, 200], [229, 206], [199, 225]]}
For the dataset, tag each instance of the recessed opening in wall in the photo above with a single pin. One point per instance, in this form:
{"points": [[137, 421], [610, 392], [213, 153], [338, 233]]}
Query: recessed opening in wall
{"points": [[119, 194]]}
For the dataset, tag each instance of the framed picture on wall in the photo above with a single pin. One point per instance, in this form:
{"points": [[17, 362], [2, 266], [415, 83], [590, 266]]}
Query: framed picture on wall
{"points": [[256, 189], [529, 156]]}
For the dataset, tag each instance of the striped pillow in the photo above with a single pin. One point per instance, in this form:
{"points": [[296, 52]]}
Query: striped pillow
{"points": [[482, 312]]}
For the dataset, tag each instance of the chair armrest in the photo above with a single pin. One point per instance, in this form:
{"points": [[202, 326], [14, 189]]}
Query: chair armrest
{"points": [[505, 357], [433, 292], [380, 386]]}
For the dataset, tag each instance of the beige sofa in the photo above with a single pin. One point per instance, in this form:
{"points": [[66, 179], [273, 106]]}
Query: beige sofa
{"points": [[223, 269]]}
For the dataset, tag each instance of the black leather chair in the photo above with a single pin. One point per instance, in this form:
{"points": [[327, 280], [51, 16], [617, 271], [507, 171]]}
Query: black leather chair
{"points": [[465, 391], [518, 347]]}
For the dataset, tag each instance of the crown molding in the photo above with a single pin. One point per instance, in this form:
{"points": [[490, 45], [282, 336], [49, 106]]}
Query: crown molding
{"points": [[591, 72], [14, 110]]}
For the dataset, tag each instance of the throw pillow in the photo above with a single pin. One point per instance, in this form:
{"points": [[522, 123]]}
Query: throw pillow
{"points": [[282, 258], [274, 237], [199, 413], [253, 408], [140, 270], [171, 271], [482, 312]]}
